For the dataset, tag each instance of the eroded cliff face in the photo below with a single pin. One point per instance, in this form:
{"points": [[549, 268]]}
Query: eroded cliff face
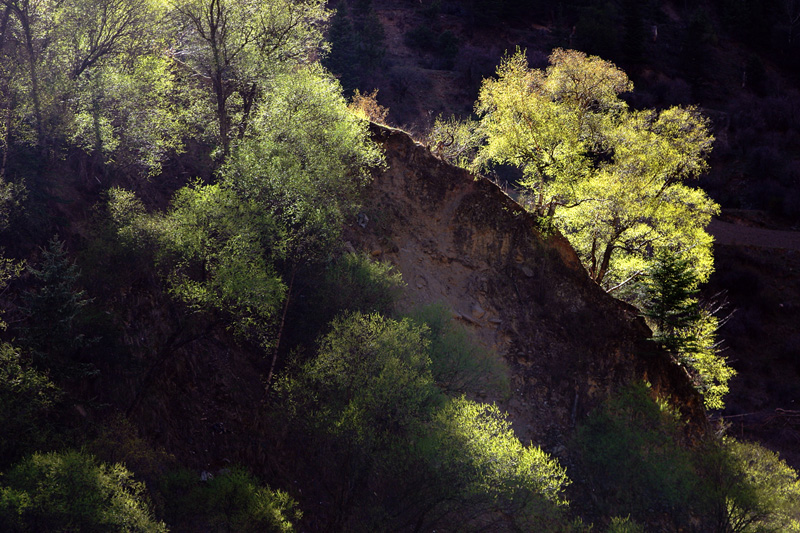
{"points": [[462, 241]]}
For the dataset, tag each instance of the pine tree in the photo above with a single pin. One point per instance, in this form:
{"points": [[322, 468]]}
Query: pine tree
{"points": [[672, 304]]}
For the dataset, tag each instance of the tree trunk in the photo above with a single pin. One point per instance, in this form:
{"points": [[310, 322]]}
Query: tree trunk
{"points": [[280, 331], [34, 76]]}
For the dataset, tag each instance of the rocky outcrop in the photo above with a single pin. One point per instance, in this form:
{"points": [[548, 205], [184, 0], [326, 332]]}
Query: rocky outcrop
{"points": [[461, 240]]}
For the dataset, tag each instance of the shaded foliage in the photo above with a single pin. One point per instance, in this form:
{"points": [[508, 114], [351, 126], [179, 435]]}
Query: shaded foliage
{"points": [[232, 500]]}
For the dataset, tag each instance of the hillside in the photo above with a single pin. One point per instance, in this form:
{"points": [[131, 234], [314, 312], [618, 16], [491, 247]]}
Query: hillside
{"points": [[231, 301], [461, 240], [737, 61]]}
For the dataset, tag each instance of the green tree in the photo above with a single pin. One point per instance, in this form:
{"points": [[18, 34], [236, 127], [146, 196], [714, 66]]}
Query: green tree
{"points": [[762, 492], [71, 491], [456, 141], [684, 327], [401, 454], [633, 458], [66, 47], [280, 203], [53, 310], [484, 470], [458, 362], [306, 163], [234, 49], [610, 178]]}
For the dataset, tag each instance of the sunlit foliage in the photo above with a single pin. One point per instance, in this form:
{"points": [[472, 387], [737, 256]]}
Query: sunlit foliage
{"points": [[611, 179], [71, 491]]}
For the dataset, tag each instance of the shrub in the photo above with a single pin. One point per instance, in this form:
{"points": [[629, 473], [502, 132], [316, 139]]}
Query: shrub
{"points": [[26, 396], [233, 500], [367, 107], [630, 457], [455, 141], [458, 362], [356, 283], [71, 491]]}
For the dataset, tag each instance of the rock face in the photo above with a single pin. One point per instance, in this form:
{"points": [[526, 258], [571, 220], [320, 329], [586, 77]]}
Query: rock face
{"points": [[462, 241]]}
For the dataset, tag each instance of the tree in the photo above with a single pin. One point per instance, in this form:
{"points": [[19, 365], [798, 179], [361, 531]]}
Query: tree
{"points": [[632, 457], [487, 471], [280, 203], [684, 327], [762, 491], [233, 48], [611, 179], [306, 163], [53, 310]]}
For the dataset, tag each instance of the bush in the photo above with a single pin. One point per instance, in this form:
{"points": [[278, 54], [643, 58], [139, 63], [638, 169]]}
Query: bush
{"points": [[458, 362], [367, 107], [455, 141], [629, 455], [352, 282], [26, 396], [233, 500], [396, 454], [356, 283], [70, 491], [761, 492]]}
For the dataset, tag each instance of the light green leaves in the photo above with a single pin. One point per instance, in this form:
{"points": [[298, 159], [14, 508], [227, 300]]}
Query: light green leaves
{"points": [[611, 179], [477, 441]]}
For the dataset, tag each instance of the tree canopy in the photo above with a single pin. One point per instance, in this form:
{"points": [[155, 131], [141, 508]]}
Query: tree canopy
{"points": [[610, 178]]}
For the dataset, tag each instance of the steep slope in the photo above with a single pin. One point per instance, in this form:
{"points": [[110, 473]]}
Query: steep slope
{"points": [[462, 241]]}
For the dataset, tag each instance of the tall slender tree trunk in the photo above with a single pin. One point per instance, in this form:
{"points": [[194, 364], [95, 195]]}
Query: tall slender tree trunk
{"points": [[34, 78], [280, 330]]}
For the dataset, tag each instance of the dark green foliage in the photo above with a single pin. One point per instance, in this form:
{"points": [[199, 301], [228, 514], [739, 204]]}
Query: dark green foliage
{"points": [[671, 301], [374, 376], [356, 283], [70, 491], [482, 469], [624, 525], [358, 45], [632, 460], [684, 327], [26, 397], [399, 454], [353, 282], [232, 500], [458, 363], [53, 312]]}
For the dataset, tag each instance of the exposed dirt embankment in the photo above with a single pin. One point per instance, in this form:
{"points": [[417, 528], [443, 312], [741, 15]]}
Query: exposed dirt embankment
{"points": [[465, 243]]}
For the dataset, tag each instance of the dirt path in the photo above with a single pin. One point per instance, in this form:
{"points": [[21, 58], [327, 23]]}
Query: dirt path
{"points": [[739, 235]]}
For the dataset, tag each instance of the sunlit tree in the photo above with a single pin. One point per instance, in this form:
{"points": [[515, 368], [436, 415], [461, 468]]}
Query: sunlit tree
{"points": [[611, 179]]}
